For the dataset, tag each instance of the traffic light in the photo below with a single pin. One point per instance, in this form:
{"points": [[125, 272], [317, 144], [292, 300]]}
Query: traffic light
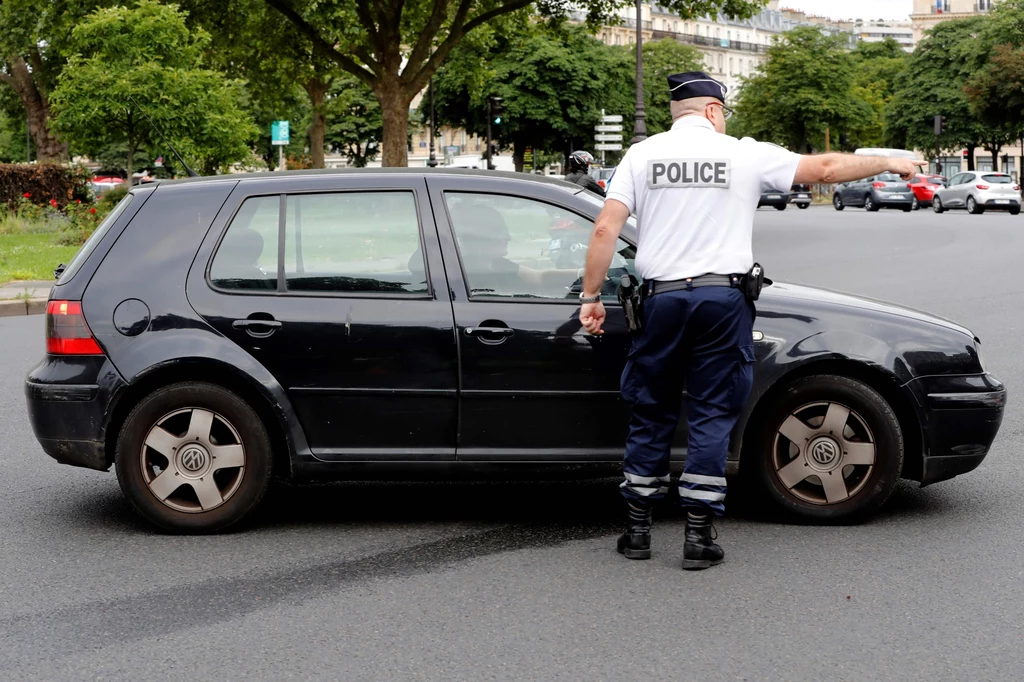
{"points": [[497, 109], [940, 124]]}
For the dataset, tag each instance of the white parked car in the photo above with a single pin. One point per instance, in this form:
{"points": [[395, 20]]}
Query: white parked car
{"points": [[978, 191]]}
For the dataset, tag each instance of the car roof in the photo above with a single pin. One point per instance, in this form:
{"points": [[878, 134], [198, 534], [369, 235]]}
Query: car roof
{"points": [[468, 172]]}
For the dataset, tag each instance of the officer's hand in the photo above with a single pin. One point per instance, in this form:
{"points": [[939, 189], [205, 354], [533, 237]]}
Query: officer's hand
{"points": [[907, 168], [592, 317]]}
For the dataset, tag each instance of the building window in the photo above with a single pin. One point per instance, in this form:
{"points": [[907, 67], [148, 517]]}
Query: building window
{"points": [[686, 28], [675, 27], [721, 64], [730, 66]]}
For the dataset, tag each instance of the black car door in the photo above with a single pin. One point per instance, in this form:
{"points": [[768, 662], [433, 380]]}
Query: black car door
{"points": [[534, 385], [335, 284]]}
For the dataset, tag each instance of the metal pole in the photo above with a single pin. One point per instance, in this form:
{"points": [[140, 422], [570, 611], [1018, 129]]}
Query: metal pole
{"points": [[280, 157], [432, 161], [489, 165], [640, 117]]}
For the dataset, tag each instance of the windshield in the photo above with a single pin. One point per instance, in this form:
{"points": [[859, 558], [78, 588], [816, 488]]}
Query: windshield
{"points": [[996, 179]]}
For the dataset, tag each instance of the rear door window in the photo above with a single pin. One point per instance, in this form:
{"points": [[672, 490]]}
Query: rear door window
{"points": [[354, 242], [247, 257]]}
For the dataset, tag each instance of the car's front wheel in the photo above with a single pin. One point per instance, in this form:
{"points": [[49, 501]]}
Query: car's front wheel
{"points": [[802, 206], [193, 458], [937, 205], [827, 449], [837, 202]]}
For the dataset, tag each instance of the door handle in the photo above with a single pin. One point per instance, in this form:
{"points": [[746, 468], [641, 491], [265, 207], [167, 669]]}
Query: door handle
{"points": [[246, 324], [497, 331]]}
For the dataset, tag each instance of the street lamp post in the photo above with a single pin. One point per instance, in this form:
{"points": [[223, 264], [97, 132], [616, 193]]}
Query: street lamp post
{"points": [[640, 116], [432, 161]]}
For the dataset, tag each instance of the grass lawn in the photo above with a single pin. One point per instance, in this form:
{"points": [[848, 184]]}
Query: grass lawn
{"points": [[32, 256]]}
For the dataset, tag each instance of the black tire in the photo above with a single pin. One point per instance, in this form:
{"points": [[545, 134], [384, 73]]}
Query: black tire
{"points": [[231, 416], [780, 207], [802, 206], [1015, 211], [837, 202], [937, 205], [915, 205], [872, 484], [973, 208], [869, 204], [907, 209]]}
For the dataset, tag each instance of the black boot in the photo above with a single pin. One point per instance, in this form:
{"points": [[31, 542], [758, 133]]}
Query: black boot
{"points": [[635, 543], [698, 550]]}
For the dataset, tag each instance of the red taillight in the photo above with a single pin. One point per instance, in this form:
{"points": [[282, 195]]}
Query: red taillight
{"points": [[1016, 188], [601, 182], [909, 186], [67, 332], [982, 186], [878, 185]]}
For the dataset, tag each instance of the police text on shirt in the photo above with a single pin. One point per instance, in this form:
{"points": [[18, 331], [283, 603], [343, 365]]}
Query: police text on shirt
{"points": [[708, 173]]}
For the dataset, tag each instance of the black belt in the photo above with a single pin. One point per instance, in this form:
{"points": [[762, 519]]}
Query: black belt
{"points": [[660, 287]]}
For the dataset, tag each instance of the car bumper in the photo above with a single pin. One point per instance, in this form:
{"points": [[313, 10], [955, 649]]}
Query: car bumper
{"points": [[887, 199], [961, 417], [802, 198], [1001, 203], [68, 401], [774, 200]]}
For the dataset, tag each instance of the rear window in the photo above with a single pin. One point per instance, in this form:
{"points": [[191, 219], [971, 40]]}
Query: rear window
{"points": [[888, 177], [996, 179], [90, 244]]}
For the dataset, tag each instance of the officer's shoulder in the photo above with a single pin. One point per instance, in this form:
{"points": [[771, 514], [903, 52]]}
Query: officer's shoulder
{"points": [[759, 143]]}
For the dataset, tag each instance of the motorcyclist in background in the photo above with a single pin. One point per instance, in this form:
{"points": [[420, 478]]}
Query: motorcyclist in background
{"points": [[579, 165]]}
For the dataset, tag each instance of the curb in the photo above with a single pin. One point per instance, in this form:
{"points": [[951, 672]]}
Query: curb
{"points": [[21, 306]]}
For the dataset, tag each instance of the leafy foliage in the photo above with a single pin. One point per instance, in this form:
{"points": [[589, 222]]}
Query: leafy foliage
{"points": [[355, 125], [804, 86], [148, 53], [877, 67]]}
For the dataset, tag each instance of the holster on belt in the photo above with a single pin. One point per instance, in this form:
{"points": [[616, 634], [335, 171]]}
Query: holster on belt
{"points": [[631, 298], [752, 282]]}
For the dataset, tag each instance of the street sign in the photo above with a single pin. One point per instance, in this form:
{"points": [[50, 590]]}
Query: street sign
{"points": [[608, 137], [612, 118], [607, 147], [279, 133], [608, 129], [528, 160]]}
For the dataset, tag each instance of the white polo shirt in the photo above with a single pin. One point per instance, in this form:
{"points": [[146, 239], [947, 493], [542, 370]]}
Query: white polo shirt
{"points": [[694, 192]]}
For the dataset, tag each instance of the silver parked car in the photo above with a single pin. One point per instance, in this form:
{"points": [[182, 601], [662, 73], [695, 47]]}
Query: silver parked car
{"points": [[978, 191]]}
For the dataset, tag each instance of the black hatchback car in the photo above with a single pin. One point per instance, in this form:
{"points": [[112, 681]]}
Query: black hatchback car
{"points": [[216, 332]]}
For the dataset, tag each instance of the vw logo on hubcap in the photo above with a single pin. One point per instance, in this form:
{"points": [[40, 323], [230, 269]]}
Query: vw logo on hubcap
{"points": [[193, 459], [823, 453]]}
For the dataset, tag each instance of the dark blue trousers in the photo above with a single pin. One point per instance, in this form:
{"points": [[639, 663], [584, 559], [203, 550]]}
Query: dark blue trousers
{"points": [[702, 338]]}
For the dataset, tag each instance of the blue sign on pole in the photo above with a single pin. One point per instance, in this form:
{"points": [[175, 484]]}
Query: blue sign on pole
{"points": [[279, 133]]}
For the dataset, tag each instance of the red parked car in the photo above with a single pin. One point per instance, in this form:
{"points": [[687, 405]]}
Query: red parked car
{"points": [[924, 187]]}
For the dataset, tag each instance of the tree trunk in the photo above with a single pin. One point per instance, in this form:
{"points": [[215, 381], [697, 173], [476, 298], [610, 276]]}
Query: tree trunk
{"points": [[970, 157], [519, 154], [317, 91], [394, 104], [37, 111]]}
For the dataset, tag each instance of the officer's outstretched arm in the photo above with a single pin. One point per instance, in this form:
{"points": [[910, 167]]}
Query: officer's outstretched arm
{"points": [[602, 245], [832, 168]]}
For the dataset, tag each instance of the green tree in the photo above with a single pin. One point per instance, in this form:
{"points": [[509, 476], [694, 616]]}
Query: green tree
{"points": [[147, 52], [396, 46], [355, 125], [933, 84], [34, 45], [803, 88], [661, 58], [877, 67]]}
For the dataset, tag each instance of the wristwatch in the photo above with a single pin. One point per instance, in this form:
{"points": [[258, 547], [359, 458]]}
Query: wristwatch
{"points": [[589, 299]]}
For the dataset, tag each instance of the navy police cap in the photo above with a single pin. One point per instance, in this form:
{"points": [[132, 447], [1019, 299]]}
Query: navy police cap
{"points": [[695, 84]]}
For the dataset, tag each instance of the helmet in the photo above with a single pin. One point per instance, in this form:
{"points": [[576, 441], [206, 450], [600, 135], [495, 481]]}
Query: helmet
{"points": [[580, 161]]}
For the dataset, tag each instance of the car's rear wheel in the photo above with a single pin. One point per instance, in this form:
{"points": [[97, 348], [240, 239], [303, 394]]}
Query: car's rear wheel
{"points": [[870, 204], [193, 458], [937, 205], [780, 207], [973, 208], [837, 202], [915, 205], [802, 206], [828, 449], [1015, 210]]}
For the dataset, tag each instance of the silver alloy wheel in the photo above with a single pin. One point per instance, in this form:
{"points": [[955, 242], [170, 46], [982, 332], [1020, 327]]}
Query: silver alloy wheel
{"points": [[193, 460], [937, 204], [868, 203], [971, 205], [823, 453], [915, 204]]}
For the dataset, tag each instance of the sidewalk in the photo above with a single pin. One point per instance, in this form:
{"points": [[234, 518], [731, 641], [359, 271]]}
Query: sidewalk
{"points": [[24, 298]]}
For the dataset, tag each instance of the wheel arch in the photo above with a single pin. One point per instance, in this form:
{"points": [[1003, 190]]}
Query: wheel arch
{"points": [[885, 383], [213, 372]]}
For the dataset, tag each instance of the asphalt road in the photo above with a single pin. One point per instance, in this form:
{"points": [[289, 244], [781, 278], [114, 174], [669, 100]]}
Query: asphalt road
{"points": [[509, 581]]}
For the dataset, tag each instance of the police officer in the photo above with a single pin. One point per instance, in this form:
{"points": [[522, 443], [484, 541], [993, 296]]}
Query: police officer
{"points": [[694, 190], [579, 172]]}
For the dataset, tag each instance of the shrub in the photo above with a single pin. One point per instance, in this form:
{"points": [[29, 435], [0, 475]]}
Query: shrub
{"points": [[82, 220], [112, 197], [42, 183]]}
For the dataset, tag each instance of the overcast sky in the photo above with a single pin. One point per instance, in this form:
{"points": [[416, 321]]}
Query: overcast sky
{"points": [[861, 9]]}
